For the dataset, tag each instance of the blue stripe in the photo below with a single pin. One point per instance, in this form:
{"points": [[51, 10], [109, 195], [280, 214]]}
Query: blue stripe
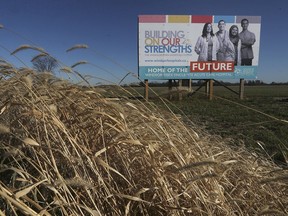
{"points": [[183, 72], [227, 19]]}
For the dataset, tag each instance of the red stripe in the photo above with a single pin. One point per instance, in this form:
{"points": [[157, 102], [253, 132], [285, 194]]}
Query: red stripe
{"points": [[202, 19], [152, 18]]}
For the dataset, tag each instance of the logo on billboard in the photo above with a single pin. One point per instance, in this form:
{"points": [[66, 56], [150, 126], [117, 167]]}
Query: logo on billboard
{"points": [[226, 66]]}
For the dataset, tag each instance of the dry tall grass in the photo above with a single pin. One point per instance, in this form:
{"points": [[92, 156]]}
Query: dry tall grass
{"points": [[68, 150]]}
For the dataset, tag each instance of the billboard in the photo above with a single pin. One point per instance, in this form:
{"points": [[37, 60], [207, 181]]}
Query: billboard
{"points": [[198, 47]]}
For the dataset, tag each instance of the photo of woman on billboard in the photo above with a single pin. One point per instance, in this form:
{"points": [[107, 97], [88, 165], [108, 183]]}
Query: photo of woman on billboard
{"points": [[226, 50], [236, 41], [207, 44]]}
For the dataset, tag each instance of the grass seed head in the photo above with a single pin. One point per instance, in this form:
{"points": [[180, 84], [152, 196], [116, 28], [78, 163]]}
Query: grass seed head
{"points": [[4, 129]]}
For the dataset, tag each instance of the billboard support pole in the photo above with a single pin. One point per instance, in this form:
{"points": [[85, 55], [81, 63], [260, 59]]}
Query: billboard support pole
{"points": [[211, 81], [196, 90], [146, 89], [170, 88], [241, 89], [235, 92], [207, 87], [180, 90], [190, 85]]}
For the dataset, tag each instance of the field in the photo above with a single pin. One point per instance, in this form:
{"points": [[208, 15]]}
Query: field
{"points": [[70, 149], [259, 121]]}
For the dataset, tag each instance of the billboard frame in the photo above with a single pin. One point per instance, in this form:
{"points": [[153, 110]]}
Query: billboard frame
{"points": [[155, 32]]}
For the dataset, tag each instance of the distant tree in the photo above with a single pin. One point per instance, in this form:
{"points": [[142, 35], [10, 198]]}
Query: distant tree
{"points": [[44, 63]]}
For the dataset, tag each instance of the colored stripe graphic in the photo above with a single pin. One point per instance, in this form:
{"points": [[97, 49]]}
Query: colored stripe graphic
{"points": [[251, 19], [202, 19], [227, 19], [178, 19], [152, 18]]}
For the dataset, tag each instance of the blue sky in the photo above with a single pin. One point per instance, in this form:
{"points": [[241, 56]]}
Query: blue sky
{"points": [[109, 28]]}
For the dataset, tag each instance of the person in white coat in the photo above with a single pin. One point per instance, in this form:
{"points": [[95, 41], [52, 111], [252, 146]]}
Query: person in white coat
{"points": [[223, 39], [207, 44]]}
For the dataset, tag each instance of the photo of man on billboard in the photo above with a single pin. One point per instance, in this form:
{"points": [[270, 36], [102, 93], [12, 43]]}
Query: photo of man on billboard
{"points": [[247, 41]]}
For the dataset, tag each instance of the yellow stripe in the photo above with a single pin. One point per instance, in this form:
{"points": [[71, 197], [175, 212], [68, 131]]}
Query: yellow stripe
{"points": [[178, 19]]}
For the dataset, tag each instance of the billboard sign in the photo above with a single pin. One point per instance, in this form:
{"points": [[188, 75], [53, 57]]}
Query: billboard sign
{"points": [[198, 47]]}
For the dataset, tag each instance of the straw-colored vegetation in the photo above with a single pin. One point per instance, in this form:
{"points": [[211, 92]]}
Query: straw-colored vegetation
{"points": [[67, 150]]}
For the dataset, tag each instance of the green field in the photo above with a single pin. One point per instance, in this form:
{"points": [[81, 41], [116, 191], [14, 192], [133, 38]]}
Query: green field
{"points": [[260, 120]]}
